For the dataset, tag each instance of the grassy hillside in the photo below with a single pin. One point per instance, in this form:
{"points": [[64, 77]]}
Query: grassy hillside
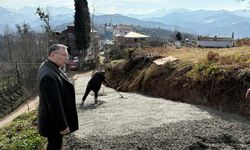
{"points": [[205, 76], [194, 54]]}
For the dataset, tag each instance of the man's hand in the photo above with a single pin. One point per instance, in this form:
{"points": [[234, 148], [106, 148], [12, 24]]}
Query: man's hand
{"points": [[247, 94], [65, 131]]}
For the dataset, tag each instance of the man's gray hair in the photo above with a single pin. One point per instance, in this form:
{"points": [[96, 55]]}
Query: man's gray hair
{"points": [[56, 47]]}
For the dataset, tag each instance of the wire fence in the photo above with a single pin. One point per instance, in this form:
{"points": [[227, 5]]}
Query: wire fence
{"points": [[17, 84]]}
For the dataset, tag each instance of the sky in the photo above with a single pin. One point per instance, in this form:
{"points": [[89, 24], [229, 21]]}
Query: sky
{"points": [[132, 6]]}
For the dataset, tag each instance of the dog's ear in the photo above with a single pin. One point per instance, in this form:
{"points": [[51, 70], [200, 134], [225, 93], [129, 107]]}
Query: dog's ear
{"points": [[102, 73]]}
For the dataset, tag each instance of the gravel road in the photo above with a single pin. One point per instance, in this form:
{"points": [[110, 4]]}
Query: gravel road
{"points": [[140, 122]]}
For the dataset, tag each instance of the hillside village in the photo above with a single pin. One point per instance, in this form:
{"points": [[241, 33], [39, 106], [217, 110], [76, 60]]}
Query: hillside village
{"points": [[128, 36], [156, 69]]}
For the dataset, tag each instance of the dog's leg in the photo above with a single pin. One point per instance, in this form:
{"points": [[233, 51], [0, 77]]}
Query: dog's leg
{"points": [[85, 95], [96, 100], [96, 96]]}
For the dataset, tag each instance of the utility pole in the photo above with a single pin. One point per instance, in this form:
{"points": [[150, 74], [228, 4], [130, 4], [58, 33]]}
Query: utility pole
{"points": [[94, 41]]}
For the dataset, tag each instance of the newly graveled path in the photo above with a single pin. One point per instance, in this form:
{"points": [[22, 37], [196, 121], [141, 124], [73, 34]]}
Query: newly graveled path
{"points": [[141, 122], [117, 116]]}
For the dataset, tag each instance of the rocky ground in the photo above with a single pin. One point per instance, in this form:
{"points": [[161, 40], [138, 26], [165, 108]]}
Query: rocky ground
{"points": [[141, 122], [209, 134]]}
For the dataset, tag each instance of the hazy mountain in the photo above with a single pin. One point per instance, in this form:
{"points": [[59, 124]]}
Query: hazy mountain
{"points": [[208, 22], [243, 13], [240, 29], [120, 19], [54, 11], [9, 17], [204, 22], [27, 10], [157, 13]]}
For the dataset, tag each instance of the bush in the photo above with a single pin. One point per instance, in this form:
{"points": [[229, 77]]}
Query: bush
{"points": [[212, 56], [242, 42], [88, 64], [117, 53], [206, 70]]}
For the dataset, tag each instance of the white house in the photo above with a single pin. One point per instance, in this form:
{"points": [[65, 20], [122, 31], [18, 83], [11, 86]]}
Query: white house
{"points": [[216, 42], [131, 39], [122, 29], [134, 39]]}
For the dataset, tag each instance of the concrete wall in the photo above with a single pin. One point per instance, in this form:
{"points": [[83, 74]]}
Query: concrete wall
{"points": [[204, 43]]}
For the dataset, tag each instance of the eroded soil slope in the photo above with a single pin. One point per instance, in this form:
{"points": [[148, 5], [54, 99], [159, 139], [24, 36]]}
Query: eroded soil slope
{"points": [[223, 88]]}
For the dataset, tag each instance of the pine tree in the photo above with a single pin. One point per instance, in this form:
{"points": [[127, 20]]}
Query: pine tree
{"points": [[82, 25]]}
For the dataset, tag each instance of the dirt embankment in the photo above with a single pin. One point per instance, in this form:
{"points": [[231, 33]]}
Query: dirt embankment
{"points": [[140, 122], [170, 81]]}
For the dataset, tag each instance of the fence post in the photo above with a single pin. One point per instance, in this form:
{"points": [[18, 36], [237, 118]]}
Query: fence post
{"points": [[9, 95], [17, 73]]}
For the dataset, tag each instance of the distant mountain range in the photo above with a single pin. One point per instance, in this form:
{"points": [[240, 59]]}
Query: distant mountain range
{"points": [[202, 22]]}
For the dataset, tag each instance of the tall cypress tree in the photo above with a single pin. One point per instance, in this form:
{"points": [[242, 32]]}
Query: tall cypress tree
{"points": [[82, 25]]}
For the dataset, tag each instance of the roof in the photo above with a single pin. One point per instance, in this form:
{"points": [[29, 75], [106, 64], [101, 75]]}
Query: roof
{"points": [[135, 35], [70, 29], [119, 35], [93, 30]]}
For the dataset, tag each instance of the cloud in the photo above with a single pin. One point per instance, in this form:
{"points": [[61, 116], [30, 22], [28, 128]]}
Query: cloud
{"points": [[17, 3], [128, 6]]}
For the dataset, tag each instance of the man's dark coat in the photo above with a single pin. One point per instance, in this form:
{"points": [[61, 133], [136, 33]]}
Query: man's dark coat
{"points": [[57, 105]]}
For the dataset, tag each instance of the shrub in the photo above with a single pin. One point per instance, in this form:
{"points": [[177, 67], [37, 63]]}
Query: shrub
{"points": [[212, 56], [116, 53], [88, 64], [204, 70]]}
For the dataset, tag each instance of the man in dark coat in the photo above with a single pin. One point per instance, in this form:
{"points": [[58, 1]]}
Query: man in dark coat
{"points": [[57, 115], [94, 85]]}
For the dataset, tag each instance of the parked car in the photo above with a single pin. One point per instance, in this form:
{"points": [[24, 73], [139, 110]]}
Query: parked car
{"points": [[73, 64]]}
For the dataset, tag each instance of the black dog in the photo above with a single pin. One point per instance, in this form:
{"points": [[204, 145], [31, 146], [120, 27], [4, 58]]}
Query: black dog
{"points": [[94, 84]]}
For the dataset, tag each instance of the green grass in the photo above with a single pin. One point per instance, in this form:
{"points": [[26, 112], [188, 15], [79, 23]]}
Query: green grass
{"points": [[207, 63], [195, 54], [21, 134], [218, 66]]}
